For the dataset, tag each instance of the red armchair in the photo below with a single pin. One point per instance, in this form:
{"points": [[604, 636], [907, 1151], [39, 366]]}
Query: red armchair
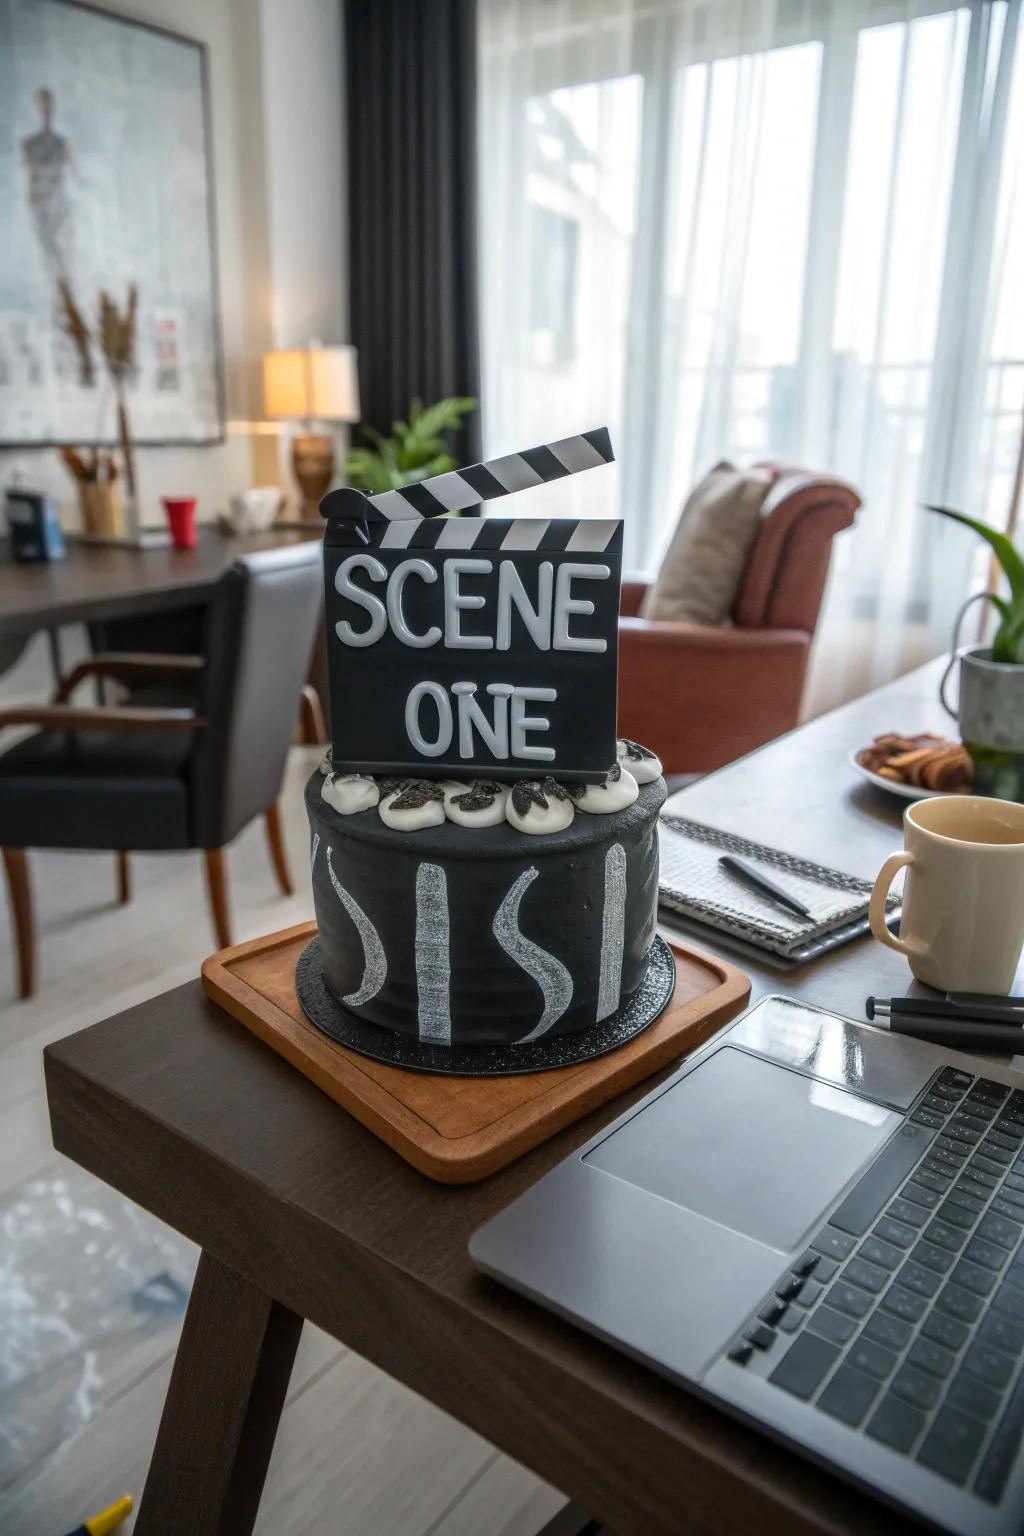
{"points": [[700, 696]]}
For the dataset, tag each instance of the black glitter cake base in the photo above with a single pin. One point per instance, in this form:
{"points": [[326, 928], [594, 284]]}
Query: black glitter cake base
{"points": [[647, 1003]]}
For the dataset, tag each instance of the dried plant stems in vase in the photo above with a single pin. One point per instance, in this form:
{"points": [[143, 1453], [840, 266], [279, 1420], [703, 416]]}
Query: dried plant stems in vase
{"points": [[77, 332], [99, 491], [115, 337], [117, 341]]}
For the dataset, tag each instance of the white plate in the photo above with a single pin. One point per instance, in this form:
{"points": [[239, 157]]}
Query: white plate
{"points": [[905, 791]]}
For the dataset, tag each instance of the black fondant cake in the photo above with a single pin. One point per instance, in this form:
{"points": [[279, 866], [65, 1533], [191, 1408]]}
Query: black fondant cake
{"points": [[484, 853], [460, 935]]}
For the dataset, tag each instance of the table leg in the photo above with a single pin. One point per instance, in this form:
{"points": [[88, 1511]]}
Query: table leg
{"points": [[223, 1404]]}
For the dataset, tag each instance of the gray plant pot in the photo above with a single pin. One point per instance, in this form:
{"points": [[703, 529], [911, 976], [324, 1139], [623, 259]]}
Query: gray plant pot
{"points": [[990, 714]]}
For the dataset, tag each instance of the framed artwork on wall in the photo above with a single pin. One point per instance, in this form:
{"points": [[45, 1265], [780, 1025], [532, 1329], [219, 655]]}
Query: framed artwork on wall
{"points": [[105, 182]]}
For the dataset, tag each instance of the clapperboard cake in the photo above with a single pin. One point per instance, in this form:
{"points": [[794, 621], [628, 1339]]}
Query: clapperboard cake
{"points": [[484, 853]]}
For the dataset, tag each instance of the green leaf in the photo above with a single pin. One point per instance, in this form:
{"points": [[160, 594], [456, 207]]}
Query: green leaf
{"points": [[1008, 640], [416, 449], [445, 415], [1001, 544], [368, 471], [436, 466]]}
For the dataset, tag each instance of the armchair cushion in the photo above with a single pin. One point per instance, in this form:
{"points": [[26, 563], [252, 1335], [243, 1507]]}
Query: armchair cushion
{"points": [[700, 697], [703, 568], [95, 789]]}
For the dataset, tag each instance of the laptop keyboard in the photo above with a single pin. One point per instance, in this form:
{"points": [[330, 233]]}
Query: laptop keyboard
{"points": [[904, 1318]]}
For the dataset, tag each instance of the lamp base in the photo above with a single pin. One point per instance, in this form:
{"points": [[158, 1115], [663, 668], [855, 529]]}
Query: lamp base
{"points": [[313, 467]]}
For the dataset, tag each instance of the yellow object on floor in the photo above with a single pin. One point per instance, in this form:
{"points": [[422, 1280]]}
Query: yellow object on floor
{"points": [[107, 1520]]}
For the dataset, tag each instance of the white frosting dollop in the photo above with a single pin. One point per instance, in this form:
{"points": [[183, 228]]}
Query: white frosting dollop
{"points": [[643, 764], [327, 762], [425, 807], [348, 793], [486, 806], [618, 790], [538, 806]]}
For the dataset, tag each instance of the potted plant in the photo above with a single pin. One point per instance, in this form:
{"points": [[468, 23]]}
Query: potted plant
{"points": [[415, 450], [991, 703]]}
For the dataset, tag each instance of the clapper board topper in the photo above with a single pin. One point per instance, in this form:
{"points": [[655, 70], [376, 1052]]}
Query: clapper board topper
{"points": [[471, 646]]}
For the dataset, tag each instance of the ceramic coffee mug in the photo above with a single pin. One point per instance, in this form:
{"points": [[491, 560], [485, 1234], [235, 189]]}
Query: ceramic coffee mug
{"points": [[963, 902], [254, 510]]}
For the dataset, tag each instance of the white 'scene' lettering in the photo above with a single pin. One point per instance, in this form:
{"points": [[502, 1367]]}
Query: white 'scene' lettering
{"points": [[545, 619]]}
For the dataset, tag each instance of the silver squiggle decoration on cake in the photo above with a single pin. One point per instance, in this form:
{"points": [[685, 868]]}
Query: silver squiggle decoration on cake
{"points": [[375, 972], [613, 924], [433, 963], [316, 845], [550, 974]]}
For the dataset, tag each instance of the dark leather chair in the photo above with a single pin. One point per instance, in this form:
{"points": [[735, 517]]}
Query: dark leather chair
{"points": [[159, 776], [181, 630]]}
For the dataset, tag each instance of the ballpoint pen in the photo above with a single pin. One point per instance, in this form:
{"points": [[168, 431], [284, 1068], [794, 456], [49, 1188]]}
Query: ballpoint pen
{"points": [[755, 880], [1007, 1012], [967, 1026], [960, 1035]]}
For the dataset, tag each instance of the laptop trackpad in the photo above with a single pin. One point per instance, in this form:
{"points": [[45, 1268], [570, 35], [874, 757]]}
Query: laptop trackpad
{"points": [[748, 1144]]}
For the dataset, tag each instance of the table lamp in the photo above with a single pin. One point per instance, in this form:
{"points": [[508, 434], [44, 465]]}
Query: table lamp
{"points": [[312, 384]]}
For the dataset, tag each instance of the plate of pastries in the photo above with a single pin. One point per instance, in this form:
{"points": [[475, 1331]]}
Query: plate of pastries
{"points": [[916, 766]]}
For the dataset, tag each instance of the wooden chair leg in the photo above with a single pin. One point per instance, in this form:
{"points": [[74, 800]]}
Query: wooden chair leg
{"points": [[19, 889], [275, 841], [311, 716], [217, 891], [124, 877]]}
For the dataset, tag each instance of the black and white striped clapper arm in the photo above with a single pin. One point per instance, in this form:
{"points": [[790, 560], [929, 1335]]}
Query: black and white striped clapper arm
{"points": [[468, 487], [514, 535], [498, 477]]}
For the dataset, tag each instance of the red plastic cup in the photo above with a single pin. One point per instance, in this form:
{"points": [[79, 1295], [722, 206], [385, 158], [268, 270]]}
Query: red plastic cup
{"points": [[181, 514]]}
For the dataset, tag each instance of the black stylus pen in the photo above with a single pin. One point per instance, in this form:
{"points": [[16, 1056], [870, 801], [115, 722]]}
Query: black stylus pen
{"points": [[753, 878], [961, 1037], [1006, 1012]]}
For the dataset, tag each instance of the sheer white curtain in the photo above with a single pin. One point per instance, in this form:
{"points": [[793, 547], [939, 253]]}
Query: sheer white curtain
{"points": [[787, 229]]}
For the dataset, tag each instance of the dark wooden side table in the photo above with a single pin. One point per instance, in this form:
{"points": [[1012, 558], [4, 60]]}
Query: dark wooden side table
{"points": [[108, 581], [301, 1213]]}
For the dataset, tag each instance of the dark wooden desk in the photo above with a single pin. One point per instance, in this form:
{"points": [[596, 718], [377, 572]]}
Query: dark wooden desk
{"points": [[303, 1214], [102, 581]]}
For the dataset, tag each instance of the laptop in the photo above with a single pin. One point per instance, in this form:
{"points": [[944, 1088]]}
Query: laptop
{"points": [[818, 1226]]}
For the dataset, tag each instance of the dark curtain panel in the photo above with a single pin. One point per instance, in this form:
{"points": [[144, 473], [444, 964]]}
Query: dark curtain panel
{"points": [[411, 68]]}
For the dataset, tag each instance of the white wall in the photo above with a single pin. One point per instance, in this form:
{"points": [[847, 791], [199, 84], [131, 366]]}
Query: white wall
{"points": [[276, 94], [302, 90], [303, 96]]}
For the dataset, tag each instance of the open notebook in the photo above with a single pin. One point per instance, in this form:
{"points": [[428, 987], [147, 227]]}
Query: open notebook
{"points": [[692, 885]]}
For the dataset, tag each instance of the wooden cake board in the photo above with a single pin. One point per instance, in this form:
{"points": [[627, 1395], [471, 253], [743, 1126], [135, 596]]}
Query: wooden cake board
{"points": [[460, 1129]]}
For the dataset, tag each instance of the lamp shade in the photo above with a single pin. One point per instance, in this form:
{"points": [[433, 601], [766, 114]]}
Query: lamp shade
{"points": [[316, 382]]}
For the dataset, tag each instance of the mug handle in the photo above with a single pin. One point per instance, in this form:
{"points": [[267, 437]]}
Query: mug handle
{"points": [[955, 656], [876, 906]]}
